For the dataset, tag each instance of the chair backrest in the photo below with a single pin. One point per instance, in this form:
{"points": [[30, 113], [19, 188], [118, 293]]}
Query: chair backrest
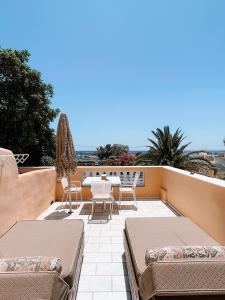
{"points": [[136, 177], [101, 187], [64, 182]]}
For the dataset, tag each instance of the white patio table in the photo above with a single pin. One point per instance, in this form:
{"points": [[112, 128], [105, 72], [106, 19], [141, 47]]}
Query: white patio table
{"points": [[115, 181]]}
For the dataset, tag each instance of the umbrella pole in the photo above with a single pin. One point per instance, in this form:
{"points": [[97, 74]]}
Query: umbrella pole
{"points": [[70, 202]]}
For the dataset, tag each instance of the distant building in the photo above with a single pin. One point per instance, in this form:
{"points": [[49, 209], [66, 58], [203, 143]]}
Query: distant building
{"points": [[218, 160]]}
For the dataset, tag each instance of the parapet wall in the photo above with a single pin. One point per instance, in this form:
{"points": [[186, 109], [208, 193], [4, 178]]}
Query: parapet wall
{"points": [[200, 198], [151, 188], [23, 196]]}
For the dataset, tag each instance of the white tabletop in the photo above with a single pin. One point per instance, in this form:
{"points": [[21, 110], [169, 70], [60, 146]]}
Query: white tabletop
{"points": [[115, 180]]}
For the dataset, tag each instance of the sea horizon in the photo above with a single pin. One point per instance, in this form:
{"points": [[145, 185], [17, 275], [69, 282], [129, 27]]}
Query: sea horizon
{"points": [[135, 151]]}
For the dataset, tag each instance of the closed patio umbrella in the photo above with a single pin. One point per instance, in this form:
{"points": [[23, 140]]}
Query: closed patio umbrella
{"points": [[66, 163]]}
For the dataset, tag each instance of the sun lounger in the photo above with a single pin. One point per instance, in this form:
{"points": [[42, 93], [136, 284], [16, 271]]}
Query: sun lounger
{"points": [[63, 239], [172, 279]]}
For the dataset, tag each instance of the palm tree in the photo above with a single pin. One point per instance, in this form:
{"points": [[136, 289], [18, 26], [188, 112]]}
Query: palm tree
{"points": [[168, 150], [104, 152]]}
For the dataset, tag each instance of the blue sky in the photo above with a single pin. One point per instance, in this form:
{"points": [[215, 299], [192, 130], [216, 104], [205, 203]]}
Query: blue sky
{"points": [[121, 68]]}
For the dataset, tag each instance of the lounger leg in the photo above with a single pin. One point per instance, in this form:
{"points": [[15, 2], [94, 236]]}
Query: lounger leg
{"points": [[110, 206]]}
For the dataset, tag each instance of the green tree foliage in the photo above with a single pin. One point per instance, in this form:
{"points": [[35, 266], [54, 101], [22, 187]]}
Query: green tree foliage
{"points": [[119, 149], [107, 151], [168, 149], [47, 161], [25, 112], [104, 152]]}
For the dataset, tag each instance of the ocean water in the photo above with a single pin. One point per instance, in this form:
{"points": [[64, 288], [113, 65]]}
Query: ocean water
{"points": [[83, 152], [87, 152]]}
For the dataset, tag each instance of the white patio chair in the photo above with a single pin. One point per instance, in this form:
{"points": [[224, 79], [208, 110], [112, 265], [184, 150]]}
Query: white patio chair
{"points": [[129, 189], [75, 188], [101, 192]]}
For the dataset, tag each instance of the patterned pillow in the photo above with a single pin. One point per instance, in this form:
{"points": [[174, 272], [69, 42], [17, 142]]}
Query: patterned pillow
{"points": [[184, 252], [30, 264]]}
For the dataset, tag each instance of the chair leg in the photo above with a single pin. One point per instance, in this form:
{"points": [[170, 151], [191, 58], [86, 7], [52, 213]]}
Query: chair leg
{"points": [[135, 199], [92, 209], [120, 196], [110, 206], [67, 196], [81, 199], [77, 200], [62, 197]]}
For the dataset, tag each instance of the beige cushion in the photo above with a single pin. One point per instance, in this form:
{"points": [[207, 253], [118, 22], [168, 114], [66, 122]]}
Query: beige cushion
{"points": [[53, 238], [184, 252], [30, 264], [177, 277], [153, 233]]}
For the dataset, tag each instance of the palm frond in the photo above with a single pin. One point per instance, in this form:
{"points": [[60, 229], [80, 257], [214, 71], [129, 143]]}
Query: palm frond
{"points": [[168, 149]]}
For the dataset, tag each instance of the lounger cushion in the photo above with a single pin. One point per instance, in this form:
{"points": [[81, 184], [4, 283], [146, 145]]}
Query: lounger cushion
{"points": [[177, 277], [153, 233], [30, 264], [55, 238], [184, 252]]}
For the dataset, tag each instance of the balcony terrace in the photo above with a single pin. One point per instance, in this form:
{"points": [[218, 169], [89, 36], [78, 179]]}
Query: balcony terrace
{"points": [[165, 192]]}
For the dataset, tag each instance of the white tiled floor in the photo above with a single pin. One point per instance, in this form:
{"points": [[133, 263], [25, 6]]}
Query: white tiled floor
{"points": [[104, 273]]}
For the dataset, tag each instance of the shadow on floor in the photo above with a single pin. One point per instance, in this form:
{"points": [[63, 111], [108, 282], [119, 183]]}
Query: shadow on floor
{"points": [[66, 206], [57, 215], [128, 207], [97, 219], [61, 212], [99, 209], [100, 215]]}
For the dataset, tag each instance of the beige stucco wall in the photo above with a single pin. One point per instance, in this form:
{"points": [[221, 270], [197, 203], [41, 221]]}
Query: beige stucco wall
{"points": [[152, 180], [23, 196], [200, 198]]}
